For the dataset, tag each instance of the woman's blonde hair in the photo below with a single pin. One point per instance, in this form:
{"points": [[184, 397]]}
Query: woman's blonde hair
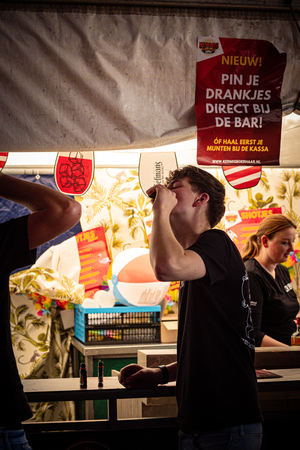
{"points": [[271, 225]]}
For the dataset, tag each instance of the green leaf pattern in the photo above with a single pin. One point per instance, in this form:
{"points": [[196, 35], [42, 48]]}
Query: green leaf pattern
{"points": [[42, 350], [46, 282], [41, 346]]}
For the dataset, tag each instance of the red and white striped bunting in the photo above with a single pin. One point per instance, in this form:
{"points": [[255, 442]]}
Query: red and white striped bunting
{"points": [[3, 158], [242, 177]]}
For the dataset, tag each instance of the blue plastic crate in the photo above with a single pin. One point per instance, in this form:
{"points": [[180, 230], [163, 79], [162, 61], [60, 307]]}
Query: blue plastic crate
{"points": [[117, 325]]}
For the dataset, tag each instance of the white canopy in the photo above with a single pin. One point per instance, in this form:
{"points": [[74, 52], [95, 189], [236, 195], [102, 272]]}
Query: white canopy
{"points": [[79, 77]]}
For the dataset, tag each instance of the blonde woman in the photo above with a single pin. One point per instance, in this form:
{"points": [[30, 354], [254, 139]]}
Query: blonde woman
{"points": [[274, 304]]}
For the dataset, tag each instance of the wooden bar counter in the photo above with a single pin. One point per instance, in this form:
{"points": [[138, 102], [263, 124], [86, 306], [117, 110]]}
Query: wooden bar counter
{"points": [[64, 389], [279, 398], [277, 357], [68, 389]]}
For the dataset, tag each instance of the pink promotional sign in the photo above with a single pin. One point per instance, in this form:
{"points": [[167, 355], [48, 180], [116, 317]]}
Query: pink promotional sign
{"points": [[94, 259], [238, 105], [241, 224]]}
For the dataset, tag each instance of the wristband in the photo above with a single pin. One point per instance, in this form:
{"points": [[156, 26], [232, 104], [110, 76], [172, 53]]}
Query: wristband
{"points": [[165, 374]]}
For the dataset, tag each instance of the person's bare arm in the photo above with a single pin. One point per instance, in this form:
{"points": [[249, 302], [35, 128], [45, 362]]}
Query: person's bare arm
{"points": [[52, 213], [170, 261], [268, 341], [137, 376]]}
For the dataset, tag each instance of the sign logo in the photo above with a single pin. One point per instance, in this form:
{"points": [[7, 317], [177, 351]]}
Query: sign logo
{"points": [[208, 46]]}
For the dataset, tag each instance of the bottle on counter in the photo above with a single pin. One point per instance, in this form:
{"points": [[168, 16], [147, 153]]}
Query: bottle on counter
{"points": [[83, 376], [295, 338], [100, 373]]}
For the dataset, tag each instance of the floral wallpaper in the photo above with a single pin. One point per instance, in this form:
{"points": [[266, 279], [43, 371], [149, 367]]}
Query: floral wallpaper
{"points": [[116, 201], [42, 349]]}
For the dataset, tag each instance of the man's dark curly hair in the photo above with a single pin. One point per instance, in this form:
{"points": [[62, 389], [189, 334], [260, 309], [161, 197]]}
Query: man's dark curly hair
{"points": [[203, 182]]}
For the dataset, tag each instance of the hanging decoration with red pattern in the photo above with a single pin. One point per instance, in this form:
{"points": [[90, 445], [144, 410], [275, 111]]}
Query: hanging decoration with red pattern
{"points": [[74, 172]]}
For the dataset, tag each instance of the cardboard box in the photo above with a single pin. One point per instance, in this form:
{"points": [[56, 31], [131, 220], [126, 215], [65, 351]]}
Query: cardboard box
{"points": [[156, 357], [158, 406], [67, 318], [169, 328]]}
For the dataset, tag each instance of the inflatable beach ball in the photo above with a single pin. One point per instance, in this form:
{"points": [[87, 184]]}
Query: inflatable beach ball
{"points": [[132, 281]]}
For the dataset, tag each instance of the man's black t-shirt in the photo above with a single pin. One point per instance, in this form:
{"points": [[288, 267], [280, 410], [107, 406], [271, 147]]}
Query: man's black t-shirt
{"points": [[274, 303], [216, 382], [14, 253]]}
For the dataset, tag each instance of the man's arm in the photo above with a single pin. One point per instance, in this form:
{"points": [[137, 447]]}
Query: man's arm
{"points": [[268, 341], [52, 213], [136, 376], [170, 261]]}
